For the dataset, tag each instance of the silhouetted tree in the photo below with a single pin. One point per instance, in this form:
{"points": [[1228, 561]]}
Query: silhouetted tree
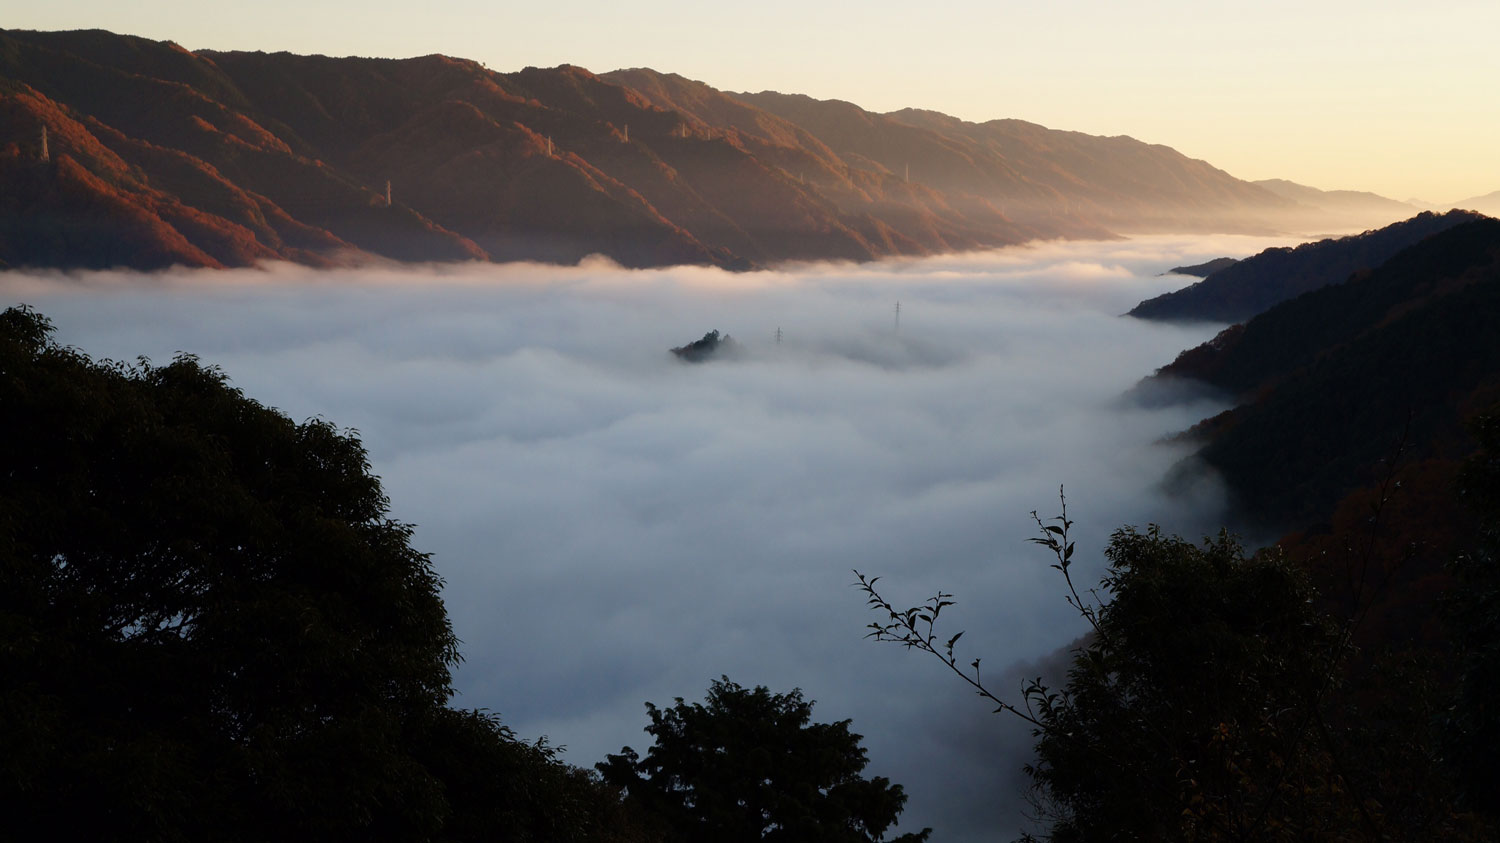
{"points": [[1207, 704], [211, 629], [1194, 711], [750, 765]]}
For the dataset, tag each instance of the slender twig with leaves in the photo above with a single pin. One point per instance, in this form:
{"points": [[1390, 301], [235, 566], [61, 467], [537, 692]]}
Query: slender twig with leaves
{"points": [[916, 627], [1054, 537]]}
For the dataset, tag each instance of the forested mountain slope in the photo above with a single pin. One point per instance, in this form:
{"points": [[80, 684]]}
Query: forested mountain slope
{"points": [[1330, 384], [1250, 286], [121, 151]]}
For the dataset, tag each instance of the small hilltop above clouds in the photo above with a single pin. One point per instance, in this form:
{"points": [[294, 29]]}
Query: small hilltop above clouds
{"points": [[122, 151]]}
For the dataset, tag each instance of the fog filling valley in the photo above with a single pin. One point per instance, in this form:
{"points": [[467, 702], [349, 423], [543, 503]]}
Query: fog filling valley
{"points": [[616, 526]]}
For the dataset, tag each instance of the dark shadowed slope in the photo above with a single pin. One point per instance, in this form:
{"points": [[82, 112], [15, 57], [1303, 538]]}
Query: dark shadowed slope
{"points": [[1356, 410], [1337, 380], [1203, 270], [1256, 283]]}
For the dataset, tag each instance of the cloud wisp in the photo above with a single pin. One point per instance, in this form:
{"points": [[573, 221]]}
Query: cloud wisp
{"points": [[616, 526]]}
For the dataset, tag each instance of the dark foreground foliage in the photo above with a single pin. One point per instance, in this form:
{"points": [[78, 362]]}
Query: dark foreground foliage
{"points": [[1191, 713], [1218, 698], [750, 765], [211, 629], [1472, 739]]}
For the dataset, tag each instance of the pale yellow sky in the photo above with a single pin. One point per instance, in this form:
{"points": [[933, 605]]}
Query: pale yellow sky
{"points": [[1401, 98]]}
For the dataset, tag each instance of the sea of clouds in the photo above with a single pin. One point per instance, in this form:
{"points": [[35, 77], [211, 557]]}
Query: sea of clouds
{"points": [[616, 526]]}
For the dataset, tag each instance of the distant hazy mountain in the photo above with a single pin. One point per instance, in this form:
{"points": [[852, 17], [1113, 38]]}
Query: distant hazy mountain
{"points": [[1343, 207], [1486, 204], [158, 156], [1275, 275]]}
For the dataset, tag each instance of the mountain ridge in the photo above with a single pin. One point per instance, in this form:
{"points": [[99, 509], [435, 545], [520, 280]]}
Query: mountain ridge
{"points": [[1351, 208], [160, 155], [1254, 284]]}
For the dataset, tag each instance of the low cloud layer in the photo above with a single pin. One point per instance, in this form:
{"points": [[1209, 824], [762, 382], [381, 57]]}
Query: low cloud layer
{"points": [[616, 526]]}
